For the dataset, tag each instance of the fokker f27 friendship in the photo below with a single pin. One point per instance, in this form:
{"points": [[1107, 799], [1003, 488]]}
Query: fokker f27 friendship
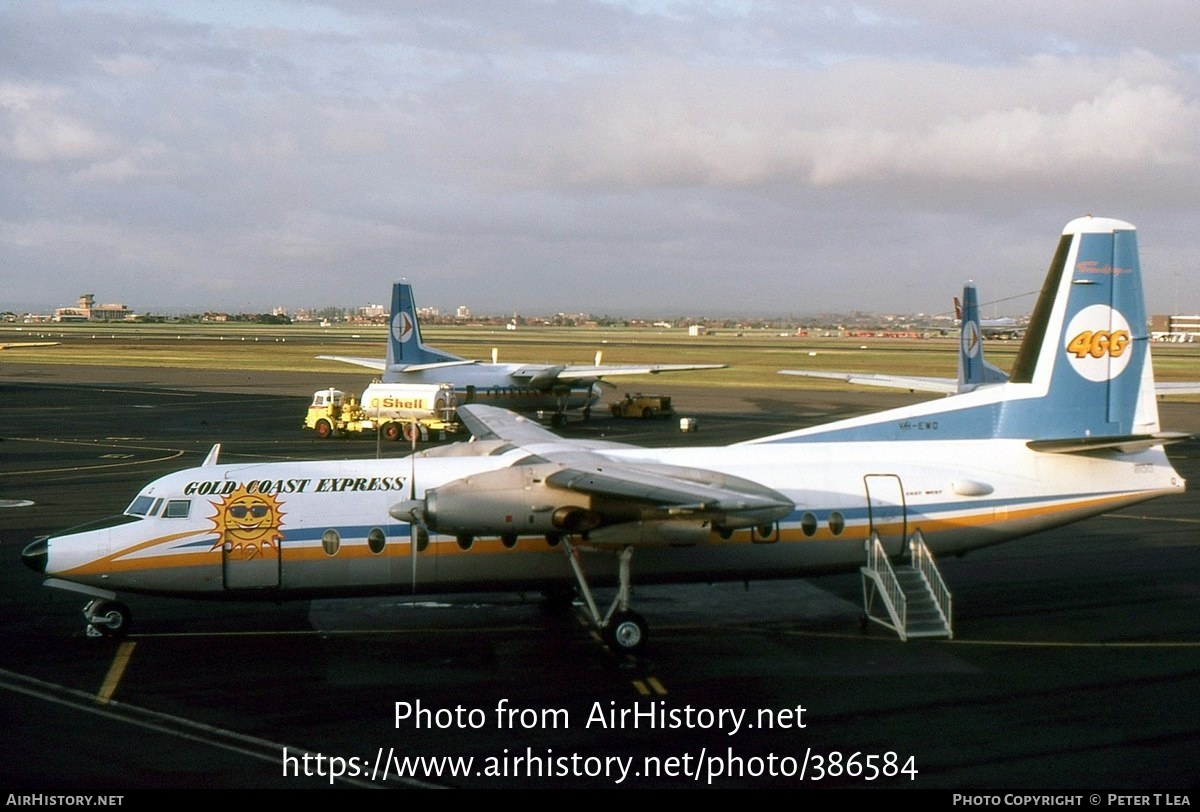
{"points": [[1073, 432], [552, 388]]}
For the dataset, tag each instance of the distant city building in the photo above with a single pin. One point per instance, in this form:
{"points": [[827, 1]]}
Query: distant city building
{"points": [[1180, 329], [462, 312]]}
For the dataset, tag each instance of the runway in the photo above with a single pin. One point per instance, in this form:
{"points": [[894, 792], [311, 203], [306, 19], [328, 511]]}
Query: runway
{"points": [[1075, 663]]}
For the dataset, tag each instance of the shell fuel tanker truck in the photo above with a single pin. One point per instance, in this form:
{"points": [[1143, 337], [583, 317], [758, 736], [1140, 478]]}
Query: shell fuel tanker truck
{"points": [[394, 409]]}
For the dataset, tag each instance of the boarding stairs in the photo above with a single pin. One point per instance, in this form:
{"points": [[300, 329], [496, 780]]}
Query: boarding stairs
{"points": [[908, 596]]}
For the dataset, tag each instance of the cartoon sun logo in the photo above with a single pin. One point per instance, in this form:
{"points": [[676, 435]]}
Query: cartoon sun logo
{"points": [[247, 524]]}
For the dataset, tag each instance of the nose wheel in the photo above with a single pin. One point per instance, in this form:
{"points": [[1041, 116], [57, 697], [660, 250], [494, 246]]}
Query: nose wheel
{"points": [[107, 618]]}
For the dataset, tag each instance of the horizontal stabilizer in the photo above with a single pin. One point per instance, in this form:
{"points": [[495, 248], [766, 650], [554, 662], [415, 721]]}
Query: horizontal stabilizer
{"points": [[369, 363], [1127, 444]]}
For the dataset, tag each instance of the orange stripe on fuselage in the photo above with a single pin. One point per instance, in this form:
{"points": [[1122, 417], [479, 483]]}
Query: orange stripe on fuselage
{"points": [[930, 526]]}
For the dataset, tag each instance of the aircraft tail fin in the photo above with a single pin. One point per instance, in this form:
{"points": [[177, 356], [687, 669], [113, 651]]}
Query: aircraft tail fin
{"points": [[405, 347], [973, 370], [1083, 371], [1088, 343]]}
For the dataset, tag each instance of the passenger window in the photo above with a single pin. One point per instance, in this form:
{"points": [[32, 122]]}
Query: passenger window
{"points": [[808, 523], [376, 540], [331, 541], [837, 523]]}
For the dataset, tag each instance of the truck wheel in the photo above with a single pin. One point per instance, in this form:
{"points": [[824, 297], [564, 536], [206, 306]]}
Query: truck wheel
{"points": [[647, 413], [392, 432], [324, 430], [410, 431]]}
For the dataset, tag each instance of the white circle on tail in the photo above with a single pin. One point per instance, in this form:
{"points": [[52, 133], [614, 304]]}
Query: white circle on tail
{"points": [[1099, 343], [402, 327], [970, 340]]}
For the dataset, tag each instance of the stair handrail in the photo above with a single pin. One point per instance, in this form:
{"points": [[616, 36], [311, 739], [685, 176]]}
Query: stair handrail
{"points": [[923, 560], [894, 597]]}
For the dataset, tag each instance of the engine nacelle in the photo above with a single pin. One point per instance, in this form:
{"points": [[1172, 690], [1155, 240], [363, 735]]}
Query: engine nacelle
{"points": [[510, 501]]}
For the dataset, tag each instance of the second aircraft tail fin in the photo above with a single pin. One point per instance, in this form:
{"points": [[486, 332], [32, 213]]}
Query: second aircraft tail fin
{"points": [[973, 370], [404, 347]]}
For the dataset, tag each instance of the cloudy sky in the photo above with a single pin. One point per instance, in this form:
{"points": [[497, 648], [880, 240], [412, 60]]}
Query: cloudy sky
{"points": [[611, 156]]}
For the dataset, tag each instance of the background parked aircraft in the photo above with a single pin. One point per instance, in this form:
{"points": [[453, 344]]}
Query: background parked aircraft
{"points": [[548, 388]]}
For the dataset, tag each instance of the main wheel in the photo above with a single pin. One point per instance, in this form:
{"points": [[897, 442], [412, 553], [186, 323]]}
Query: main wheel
{"points": [[324, 430], [626, 632], [110, 618]]}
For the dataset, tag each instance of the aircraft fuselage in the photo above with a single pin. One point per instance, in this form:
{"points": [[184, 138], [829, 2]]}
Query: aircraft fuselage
{"points": [[308, 529]]}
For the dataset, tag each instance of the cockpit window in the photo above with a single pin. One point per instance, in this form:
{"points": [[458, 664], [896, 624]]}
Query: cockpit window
{"points": [[177, 509], [140, 506], [154, 508]]}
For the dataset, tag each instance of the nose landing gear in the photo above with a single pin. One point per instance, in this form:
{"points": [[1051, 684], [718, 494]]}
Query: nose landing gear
{"points": [[107, 618]]}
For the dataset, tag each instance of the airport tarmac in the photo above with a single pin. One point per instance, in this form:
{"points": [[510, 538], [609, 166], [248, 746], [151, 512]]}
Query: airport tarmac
{"points": [[1075, 664]]}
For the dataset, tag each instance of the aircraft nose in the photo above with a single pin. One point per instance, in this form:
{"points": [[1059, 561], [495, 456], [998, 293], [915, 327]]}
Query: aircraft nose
{"points": [[35, 555]]}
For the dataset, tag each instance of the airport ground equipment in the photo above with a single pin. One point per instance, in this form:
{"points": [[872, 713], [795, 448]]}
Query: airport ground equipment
{"points": [[396, 410]]}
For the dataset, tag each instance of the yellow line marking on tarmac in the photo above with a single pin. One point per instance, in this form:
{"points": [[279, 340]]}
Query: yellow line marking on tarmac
{"points": [[648, 686], [115, 672]]}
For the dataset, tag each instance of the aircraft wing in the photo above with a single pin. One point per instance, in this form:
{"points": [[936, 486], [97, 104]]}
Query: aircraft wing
{"points": [[576, 373], [947, 386], [577, 487], [542, 376], [376, 363], [492, 423]]}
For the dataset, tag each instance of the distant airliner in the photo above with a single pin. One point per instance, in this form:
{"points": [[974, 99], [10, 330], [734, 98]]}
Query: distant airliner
{"points": [[547, 388]]}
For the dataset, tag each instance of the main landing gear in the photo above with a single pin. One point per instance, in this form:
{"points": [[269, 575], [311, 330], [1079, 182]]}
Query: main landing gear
{"points": [[622, 629], [107, 618]]}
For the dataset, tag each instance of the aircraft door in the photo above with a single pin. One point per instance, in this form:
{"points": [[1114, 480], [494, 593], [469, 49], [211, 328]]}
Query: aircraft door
{"points": [[886, 511]]}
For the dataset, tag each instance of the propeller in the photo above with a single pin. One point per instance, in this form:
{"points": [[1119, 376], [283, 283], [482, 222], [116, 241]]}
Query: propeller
{"points": [[411, 509]]}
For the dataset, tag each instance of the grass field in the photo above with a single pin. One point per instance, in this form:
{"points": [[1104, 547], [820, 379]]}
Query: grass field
{"points": [[754, 357]]}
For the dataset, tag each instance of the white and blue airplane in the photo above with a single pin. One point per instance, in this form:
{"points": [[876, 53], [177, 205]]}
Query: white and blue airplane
{"points": [[1072, 433], [555, 389], [973, 370]]}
